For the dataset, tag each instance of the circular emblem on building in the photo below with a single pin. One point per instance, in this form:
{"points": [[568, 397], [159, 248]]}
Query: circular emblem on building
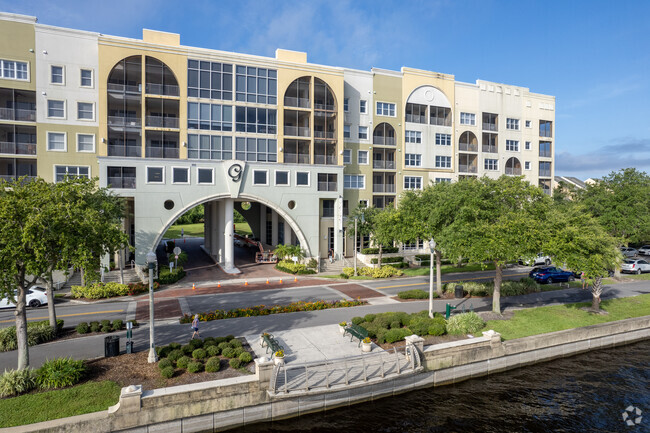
{"points": [[235, 172], [428, 95]]}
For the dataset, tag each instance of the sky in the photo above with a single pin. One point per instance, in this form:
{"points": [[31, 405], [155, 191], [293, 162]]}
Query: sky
{"points": [[592, 56]]}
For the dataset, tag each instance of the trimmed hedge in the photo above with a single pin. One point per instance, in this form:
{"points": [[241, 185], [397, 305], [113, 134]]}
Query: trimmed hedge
{"points": [[167, 372], [384, 250], [213, 365], [110, 290], [166, 277], [290, 267], [416, 294], [164, 363], [194, 367]]}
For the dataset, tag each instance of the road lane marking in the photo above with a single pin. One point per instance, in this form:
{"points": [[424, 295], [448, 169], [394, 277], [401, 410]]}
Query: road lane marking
{"points": [[66, 315], [447, 281]]}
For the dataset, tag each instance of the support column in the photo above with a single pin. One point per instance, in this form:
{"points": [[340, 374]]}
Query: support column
{"points": [[207, 227], [229, 232], [262, 223], [338, 228], [214, 225], [274, 228]]}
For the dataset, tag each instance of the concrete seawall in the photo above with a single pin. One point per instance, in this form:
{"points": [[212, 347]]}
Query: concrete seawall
{"points": [[229, 403]]}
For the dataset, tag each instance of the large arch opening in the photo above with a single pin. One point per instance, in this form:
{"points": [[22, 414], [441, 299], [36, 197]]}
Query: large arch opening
{"points": [[513, 167], [468, 142], [428, 105], [384, 134]]}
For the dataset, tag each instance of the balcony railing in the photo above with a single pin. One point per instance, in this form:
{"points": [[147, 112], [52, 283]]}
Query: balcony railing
{"points": [[416, 118], [327, 186], [17, 148], [125, 151], [162, 89], [323, 134], [324, 159], [127, 122], [325, 107], [297, 102], [131, 88], [545, 153], [383, 164], [513, 171], [321, 113], [489, 149], [383, 187], [121, 182], [295, 158], [545, 173], [161, 122], [464, 168], [297, 131], [440, 121], [489, 126], [383, 141], [162, 152], [468, 147], [328, 213], [19, 114]]}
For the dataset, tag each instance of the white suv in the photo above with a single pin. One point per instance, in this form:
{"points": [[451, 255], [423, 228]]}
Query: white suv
{"points": [[541, 259]]}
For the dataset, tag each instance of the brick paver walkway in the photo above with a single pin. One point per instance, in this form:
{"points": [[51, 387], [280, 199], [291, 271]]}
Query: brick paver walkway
{"points": [[356, 291], [163, 309]]}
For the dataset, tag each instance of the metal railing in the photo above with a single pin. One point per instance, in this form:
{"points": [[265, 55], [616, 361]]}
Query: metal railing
{"points": [[325, 107], [468, 147], [297, 102], [161, 122], [383, 164], [489, 149], [132, 122], [19, 114], [296, 158], [465, 168], [416, 118], [385, 141], [323, 134], [325, 159], [544, 153], [297, 131], [131, 88], [490, 126], [513, 171], [121, 182], [162, 89], [383, 187], [17, 148], [327, 186], [440, 121], [161, 152], [125, 151]]}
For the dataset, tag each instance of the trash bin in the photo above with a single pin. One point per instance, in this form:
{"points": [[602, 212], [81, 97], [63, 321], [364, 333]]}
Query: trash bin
{"points": [[458, 293], [111, 346]]}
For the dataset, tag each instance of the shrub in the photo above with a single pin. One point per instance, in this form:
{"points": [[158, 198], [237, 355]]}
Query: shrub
{"points": [[420, 325], [382, 321], [60, 372], [224, 345], [167, 372], [164, 363], [219, 340], [369, 317], [395, 324], [234, 343], [195, 343], [183, 361], [245, 357], [163, 351], [118, 325], [370, 327], [404, 318], [384, 250], [347, 272], [106, 329], [212, 351], [229, 337], [306, 271], [94, 327], [14, 382], [381, 336], [187, 349], [37, 333], [438, 326], [199, 354], [194, 367], [105, 323], [290, 267], [394, 335], [82, 328], [175, 355], [415, 294], [386, 272], [358, 320], [388, 260], [228, 352], [237, 351], [100, 290], [166, 277], [213, 365], [174, 346], [465, 323], [235, 363], [312, 263]]}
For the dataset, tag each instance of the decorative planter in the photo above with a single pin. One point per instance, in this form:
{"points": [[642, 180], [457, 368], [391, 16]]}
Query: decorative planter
{"points": [[366, 347], [278, 360], [342, 329]]}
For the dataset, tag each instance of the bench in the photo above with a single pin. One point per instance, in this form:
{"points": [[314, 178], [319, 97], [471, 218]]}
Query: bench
{"points": [[356, 331], [271, 343]]}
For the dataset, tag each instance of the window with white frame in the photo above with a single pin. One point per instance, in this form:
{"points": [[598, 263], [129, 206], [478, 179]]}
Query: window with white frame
{"points": [[85, 110], [302, 178], [180, 175], [363, 106], [56, 141], [491, 164], [155, 175], [413, 160], [512, 145], [12, 70], [385, 109], [362, 157], [55, 108], [443, 179], [412, 182], [413, 137], [467, 118], [281, 178], [346, 131], [204, 175], [63, 171], [417, 244], [443, 139], [56, 74], [527, 165], [86, 78], [512, 124], [443, 161], [363, 132], [260, 177], [85, 143], [527, 145], [363, 203], [346, 104], [347, 156], [354, 181], [528, 123]]}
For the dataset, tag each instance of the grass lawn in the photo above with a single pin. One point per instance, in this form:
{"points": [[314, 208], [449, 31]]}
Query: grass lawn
{"points": [[196, 230], [533, 321], [44, 406]]}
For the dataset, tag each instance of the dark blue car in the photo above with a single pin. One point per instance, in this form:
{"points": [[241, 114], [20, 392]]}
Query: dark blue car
{"points": [[551, 274]]}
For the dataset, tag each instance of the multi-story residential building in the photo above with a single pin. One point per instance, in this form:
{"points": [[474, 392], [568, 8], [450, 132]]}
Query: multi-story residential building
{"points": [[293, 146]]}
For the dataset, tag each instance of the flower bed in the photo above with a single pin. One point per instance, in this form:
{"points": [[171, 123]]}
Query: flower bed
{"points": [[265, 310]]}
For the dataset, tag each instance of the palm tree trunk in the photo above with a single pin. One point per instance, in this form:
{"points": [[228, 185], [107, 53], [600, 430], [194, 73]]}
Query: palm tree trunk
{"points": [[496, 296], [596, 291]]}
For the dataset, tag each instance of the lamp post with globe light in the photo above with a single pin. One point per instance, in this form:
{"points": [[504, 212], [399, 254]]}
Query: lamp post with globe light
{"points": [[432, 247], [151, 260]]}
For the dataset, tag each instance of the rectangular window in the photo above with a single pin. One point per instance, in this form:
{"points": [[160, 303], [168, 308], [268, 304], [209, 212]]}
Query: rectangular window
{"points": [[256, 85], [354, 181], [12, 70], [527, 145], [155, 175], [363, 132], [214, 117], [468, 119], [346, 131], [412, 182], [56, 109], [491, 164], [63, 171], [363, 106], [443, 179], [260, 177], [85, 143], [256, 120], [527, 165], [416, 113], [443, 139], [443, 161], [363, 203], [385, 109], [545, 184], [180, 175], [256, 149], [204, 175], [327, 182], [346, 210], [545, 128], [302, 178], [56, 74], [440, 116], [512, 145], [86, 78], [362, 157], [121, 177], [56, 141], [281, 178], [328, 208], [413, 137], [528, 123], [211, 80], [209, 147], [85, 111], [347, 156], [346, 104], [545, 149], [413, 160], [512, 124]]}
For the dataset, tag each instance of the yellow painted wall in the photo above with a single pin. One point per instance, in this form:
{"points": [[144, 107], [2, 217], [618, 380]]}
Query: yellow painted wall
{"points": [[16, 39], [47, 159]]}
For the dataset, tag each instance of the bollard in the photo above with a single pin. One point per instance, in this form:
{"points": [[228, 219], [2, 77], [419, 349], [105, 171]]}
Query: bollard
{"points": [[448, 309]]}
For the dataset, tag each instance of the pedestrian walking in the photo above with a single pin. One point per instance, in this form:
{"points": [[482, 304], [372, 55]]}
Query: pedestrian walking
{"points": [[330, 255], [584, 280], [195, 327]]}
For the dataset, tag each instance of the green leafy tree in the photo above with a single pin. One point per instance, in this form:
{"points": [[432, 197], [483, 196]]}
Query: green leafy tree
{"points": [[388, 228], [288, 251]]}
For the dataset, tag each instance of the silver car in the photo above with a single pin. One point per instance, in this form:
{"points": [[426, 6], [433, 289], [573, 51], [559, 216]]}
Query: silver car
{"points": [[635, 266], [628, 252], [645, 250]]}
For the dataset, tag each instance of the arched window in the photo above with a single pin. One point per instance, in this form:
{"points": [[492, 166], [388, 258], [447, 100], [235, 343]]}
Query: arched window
{"points": [[159, 78], [468, 142], [384, 134], [513, 167], [428, 105], [297, 94]]}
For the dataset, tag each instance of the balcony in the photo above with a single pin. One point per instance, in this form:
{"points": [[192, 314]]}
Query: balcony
{"points": [[124, 122], [325, 107], [464, 168], [416, 118], [161, 122], [162, 152], [17, 148], [297, 131], [390, 165], [323, 134], [13, 177], [162, 89], [327, 186], [296, 158], [489, 149], [18, 114], [468, 147], [121, 182], [544, 153], [323, 159], [125, 151], [514, 171], [383, 187], [297, 102], [124, 88], [490, 126], [383, 141]]}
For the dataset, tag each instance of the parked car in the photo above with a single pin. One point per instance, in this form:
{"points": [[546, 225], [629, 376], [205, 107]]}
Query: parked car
{"points": [[645, 250], [552, 274], [629, 252], [635, 266], [35, 298], [540, 260]]}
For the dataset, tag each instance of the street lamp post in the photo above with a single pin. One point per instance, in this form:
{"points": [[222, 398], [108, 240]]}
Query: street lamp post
{"points": [[432, 247], [355, 245], [151, 260]]}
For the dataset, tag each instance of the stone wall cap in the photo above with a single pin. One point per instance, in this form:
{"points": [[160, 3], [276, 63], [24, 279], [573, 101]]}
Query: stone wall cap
{"points": [[131, 390], [199, 386], [413, 338], [458, 343]]}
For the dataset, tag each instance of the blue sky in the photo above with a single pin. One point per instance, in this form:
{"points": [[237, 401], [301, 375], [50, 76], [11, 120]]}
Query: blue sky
{"points": [[591, 55]]}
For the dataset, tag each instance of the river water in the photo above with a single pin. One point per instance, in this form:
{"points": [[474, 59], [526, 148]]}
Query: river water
{"points": [[584, 393]]}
